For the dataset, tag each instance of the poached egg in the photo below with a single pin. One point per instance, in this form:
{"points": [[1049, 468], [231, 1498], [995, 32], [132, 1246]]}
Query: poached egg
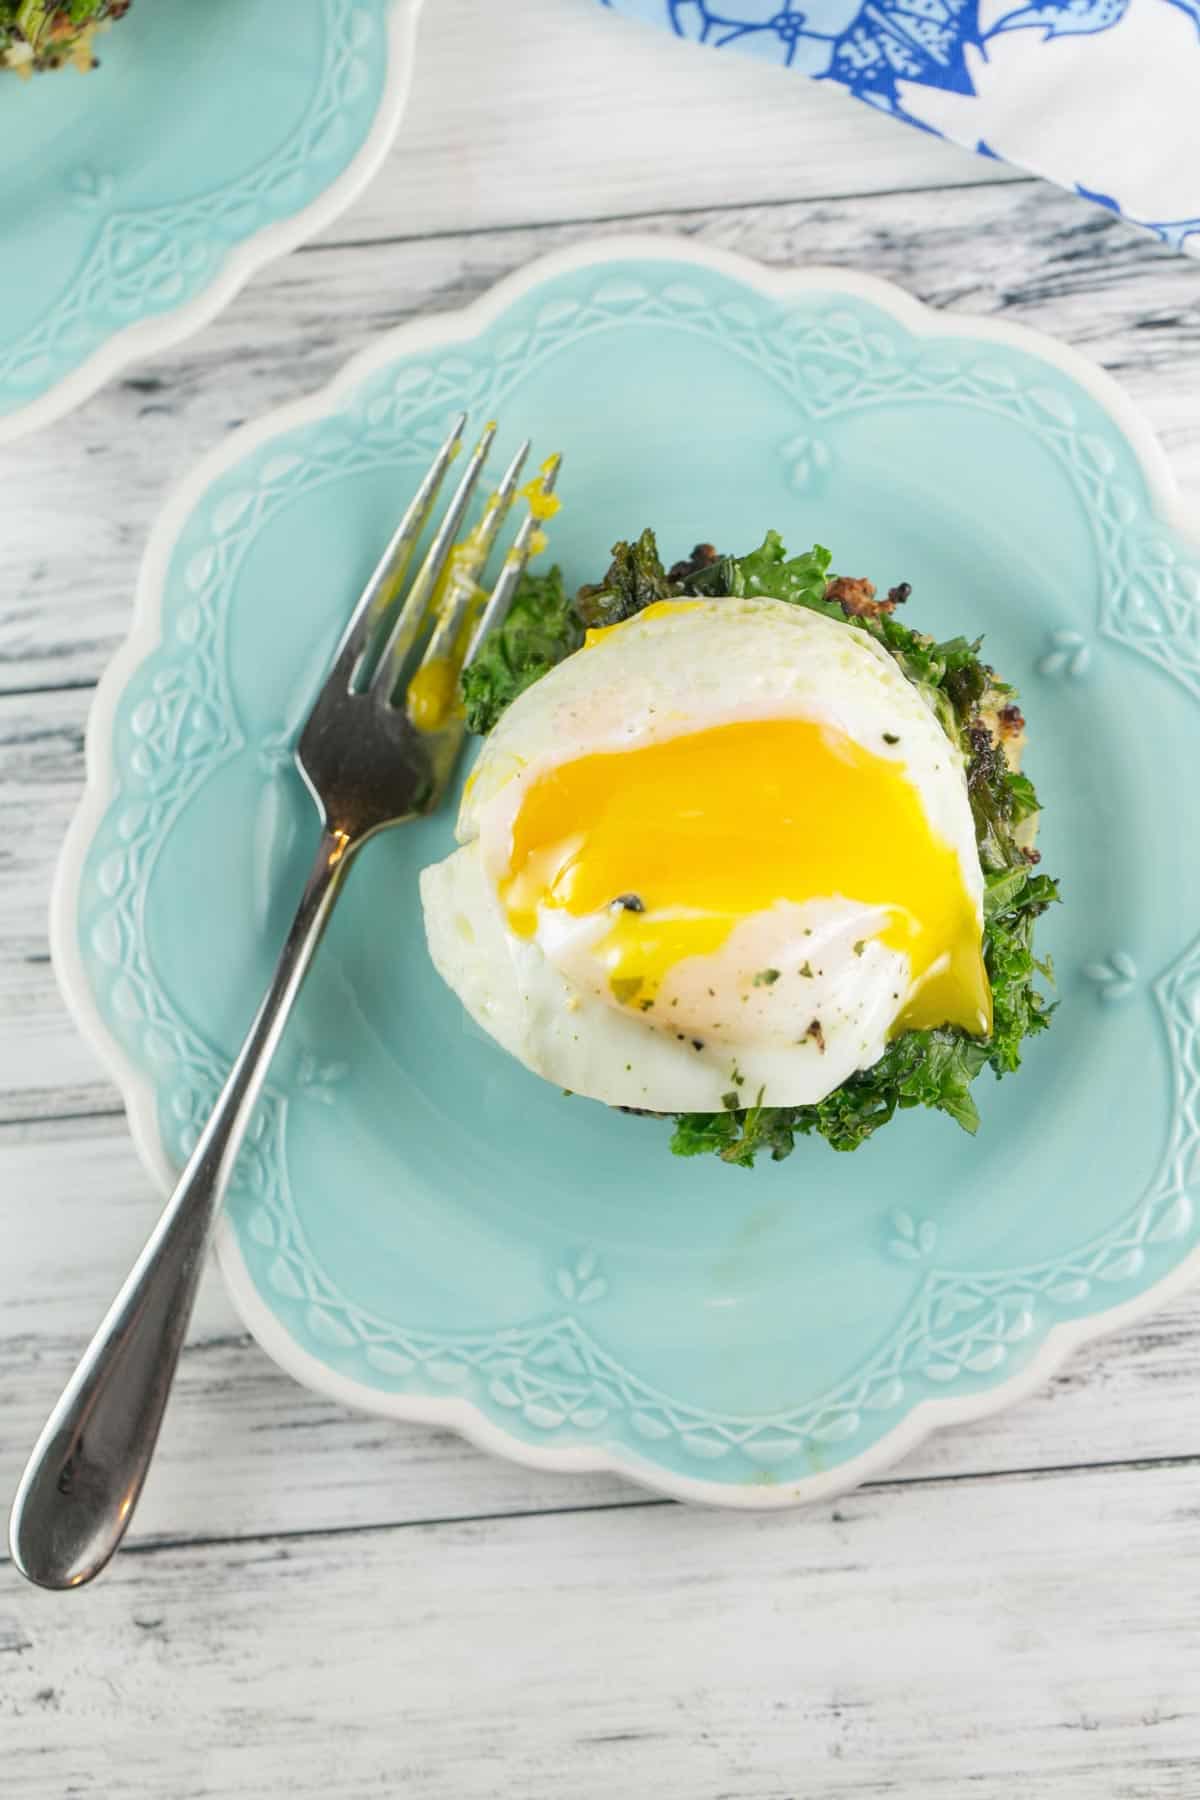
{"points": [[723, 848]]}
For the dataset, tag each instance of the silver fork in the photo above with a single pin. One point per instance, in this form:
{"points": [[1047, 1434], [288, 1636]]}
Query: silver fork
{"points": [[374, 752]]}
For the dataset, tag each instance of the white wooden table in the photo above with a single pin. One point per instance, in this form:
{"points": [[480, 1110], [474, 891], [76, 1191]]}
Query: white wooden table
{"points": [[315, 1604]]}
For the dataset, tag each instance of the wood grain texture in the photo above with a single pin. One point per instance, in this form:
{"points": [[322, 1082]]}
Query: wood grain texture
{"points": [[553, 109], [994, 1638], [1011, 1612], [45, 1068]]}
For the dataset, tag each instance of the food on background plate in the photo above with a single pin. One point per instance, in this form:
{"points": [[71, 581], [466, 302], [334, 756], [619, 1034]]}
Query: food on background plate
{"points": [[742, 848], [35, 36]]}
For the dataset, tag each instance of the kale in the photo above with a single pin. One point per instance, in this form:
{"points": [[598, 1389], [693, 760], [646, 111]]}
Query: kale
{"points": [[1024, 800], [932, 1068], [636, 579], [735, 1135], [714, 581], [919, 1068], [541, 628], [769, 573], [1018, 1009]]}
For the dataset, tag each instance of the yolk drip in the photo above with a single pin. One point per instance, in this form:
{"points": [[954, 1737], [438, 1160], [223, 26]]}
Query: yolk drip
{"points": [[702, 830], [542, 505], [433, 693]]}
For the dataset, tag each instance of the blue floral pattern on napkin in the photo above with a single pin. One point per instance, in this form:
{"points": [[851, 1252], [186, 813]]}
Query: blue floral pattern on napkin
{"points": [[989, 72]]}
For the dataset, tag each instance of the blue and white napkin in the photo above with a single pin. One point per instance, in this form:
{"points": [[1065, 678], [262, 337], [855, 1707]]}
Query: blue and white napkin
{"points": [[1102, 96]]}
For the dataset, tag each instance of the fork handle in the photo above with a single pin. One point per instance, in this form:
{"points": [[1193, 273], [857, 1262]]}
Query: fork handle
{"points": [[77, 1495]]}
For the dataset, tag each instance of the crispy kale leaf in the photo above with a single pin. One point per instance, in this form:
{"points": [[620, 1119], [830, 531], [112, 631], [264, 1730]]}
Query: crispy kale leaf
{"points": [[1011, 905], [767, 572], [918, 1068], [636, 579], [770, 573], [541, 628]]}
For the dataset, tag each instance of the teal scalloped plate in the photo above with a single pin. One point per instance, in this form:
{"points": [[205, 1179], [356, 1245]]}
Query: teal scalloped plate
{"points": [[138, 199], [419, 1226]]}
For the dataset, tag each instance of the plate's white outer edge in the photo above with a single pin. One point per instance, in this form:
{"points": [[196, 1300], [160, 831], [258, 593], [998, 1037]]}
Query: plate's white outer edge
{"points": [[145, 634], [146, 336]]}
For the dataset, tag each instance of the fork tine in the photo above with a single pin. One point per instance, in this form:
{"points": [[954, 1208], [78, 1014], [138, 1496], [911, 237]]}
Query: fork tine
{"points": [[389, 664], [432, 686], [514, 565], [472, 559], [392, 566]]}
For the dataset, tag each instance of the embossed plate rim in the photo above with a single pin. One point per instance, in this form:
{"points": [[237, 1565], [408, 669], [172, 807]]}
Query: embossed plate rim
{"points": [[150, 336], [438, 332]]}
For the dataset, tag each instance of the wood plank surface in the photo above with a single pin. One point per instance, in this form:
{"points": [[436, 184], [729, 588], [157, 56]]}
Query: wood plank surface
{"points": [[316, 1603], [556, 109], [987, 1639]]}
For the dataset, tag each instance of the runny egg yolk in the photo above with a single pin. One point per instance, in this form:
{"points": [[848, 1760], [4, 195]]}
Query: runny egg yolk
{"points": [[700, 831]]}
